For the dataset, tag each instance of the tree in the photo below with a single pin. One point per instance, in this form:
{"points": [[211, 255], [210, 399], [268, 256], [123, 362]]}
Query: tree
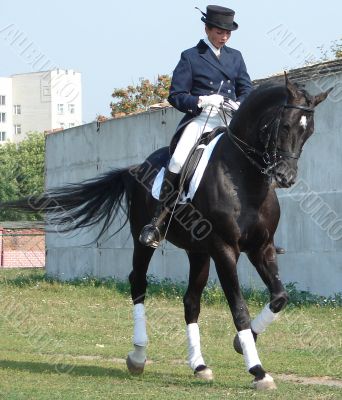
{"points": [[336, 48], [333, 52], [138, 98], [8, 172], [31, 164], [22, 172]]}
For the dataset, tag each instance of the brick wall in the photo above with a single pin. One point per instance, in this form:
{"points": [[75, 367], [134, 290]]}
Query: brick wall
{"points": [[22, 248]]}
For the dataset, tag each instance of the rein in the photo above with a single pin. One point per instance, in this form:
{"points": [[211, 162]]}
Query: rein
{"points": [[270, 157]]}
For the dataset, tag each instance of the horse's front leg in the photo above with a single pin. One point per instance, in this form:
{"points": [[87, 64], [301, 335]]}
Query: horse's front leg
{"points": [[265, 262], [198, 277], [225, 258]]}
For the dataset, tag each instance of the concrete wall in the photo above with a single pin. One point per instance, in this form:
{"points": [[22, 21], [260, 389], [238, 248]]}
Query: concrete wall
{"points": [[314, 250]]}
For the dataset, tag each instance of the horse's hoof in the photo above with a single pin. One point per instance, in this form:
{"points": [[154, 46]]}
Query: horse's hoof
{"points": [[237, 345], [204, 373], [134, 367], [266, 383]]}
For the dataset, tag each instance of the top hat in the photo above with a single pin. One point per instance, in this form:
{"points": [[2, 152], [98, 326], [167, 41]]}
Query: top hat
{"points": [[220, 17]]}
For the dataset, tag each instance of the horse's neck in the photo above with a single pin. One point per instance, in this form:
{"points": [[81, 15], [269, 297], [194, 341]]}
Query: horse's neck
{"points": [[246, 122], [246, 177]]}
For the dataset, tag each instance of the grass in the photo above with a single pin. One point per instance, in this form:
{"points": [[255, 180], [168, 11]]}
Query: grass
{"points": [[68, 341]]}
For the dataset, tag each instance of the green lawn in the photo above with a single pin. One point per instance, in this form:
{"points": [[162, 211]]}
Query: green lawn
{"points": [[68, 341]]}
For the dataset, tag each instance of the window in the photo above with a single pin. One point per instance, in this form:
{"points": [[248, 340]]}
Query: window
{"points": [[2, 136], [3, 117], [17, 109], [17, 129], [60, 108], [62, 124], [46, 91], [71, 108], [2, 100], [71, 125]]}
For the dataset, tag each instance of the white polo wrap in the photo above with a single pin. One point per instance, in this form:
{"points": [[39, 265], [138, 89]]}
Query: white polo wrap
{"points": [[263, 320], [194, 346], [140, 334], [250, 353]]}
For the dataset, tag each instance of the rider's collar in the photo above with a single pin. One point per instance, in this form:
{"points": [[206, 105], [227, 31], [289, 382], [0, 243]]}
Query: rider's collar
{"points": [[216, 51]]}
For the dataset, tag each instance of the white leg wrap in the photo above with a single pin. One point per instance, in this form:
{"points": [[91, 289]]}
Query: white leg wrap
{"points": [[194, 346], [262, 320], [139, 354], [140, 335], [250, 353]]}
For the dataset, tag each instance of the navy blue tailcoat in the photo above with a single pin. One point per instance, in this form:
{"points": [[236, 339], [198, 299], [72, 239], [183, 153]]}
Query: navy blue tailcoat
{"points": [[199, 72]]}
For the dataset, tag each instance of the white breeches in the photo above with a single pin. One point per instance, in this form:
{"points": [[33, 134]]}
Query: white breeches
{"points": [[191, 134]]}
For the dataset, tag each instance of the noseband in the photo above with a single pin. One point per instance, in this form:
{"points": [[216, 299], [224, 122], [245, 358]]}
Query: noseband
{"points": [[272, 154]]}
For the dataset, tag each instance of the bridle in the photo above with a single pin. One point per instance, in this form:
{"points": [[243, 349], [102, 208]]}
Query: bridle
{"points": [[272, 155]]}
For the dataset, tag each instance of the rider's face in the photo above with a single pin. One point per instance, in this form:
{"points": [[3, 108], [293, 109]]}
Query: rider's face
{"points": [[217, 36]]}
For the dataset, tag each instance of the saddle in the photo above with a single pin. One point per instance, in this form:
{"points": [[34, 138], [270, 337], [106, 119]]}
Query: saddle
{"points": [[193, 168], [194, 157]]}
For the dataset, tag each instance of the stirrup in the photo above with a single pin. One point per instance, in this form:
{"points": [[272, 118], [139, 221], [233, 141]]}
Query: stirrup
{"points": [[151, 235]]}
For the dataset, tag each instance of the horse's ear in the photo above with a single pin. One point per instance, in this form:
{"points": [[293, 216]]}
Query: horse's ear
{"points": [[291, 87], [320, 97]]}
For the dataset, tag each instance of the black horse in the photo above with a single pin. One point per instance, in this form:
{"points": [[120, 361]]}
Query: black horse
{"points": [[234, 210]]}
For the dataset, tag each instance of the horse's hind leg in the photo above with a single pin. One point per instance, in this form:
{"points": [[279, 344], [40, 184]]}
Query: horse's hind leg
{"points": [[198, 277], [136, 359], [265, 262]]}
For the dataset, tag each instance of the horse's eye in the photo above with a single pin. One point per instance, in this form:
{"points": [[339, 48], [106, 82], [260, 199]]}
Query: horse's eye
{"points": [[286, 127]]}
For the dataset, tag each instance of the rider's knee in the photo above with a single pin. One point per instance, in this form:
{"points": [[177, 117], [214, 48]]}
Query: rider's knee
{"points": [[175, 166]]}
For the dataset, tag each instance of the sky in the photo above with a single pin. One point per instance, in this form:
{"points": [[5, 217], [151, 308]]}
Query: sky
{"points": [[114, 44]]}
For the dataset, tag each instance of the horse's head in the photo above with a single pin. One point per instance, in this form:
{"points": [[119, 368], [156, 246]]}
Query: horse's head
{"points": [[292, 127]]}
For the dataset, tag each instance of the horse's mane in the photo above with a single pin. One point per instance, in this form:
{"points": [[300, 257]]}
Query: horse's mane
{"points": [[260, 99]]}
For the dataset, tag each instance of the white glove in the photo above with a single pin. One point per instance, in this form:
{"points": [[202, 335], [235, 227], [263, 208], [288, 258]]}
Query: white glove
{"points": [[231, 104], [214, 100]]}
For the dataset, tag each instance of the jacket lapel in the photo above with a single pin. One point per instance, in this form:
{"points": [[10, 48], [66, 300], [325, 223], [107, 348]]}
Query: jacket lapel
{"points": [[222, 63], [226, 61]]}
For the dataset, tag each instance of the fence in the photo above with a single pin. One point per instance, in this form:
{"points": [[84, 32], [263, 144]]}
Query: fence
{"points": [[24, 248]]}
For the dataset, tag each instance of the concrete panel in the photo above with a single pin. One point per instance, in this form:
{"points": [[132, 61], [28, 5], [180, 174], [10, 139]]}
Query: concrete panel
{"points": [[71, 262]]}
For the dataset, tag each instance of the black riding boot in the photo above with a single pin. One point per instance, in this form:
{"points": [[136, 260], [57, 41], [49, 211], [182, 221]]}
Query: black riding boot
{"points": [[153, 233]]}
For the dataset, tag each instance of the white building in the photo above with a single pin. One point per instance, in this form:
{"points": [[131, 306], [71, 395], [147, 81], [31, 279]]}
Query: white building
{"points": [[6, 121], [39, 102]]}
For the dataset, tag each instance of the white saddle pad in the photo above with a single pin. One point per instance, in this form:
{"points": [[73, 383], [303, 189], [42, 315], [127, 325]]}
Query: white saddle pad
{"points": [[196, 179]]}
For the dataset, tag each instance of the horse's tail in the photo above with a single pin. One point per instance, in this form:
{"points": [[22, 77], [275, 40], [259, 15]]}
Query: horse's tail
{"points": [[83, 204]]}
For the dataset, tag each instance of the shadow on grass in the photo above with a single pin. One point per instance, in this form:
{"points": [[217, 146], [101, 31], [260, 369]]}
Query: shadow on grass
{"points": [[69, 369], [175, 378]]}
